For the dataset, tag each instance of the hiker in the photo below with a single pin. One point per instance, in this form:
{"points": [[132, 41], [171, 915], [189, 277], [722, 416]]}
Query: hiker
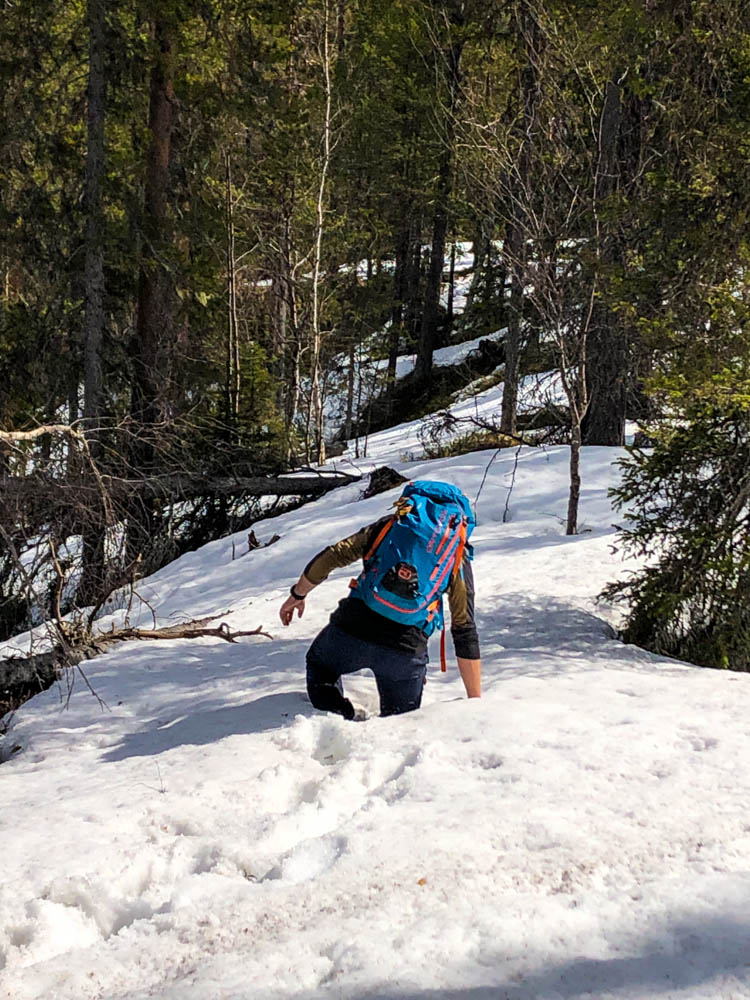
{"points": [[410, 559]]}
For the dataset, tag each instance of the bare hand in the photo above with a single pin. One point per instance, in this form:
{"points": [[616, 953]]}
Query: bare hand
{"points": [[286, 612]]}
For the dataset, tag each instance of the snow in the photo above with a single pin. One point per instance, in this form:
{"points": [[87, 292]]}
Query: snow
{"points": [[407, 441], [444, 356], [580, 831], [370, 375]]}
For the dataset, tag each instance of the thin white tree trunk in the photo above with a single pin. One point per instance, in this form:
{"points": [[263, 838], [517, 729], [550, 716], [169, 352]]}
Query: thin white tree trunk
{"points": [[94, 277], [233, 344], [315, 412]]}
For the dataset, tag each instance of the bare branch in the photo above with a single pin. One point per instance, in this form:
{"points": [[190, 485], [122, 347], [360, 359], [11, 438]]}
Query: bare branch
{"points": [[65, 429]]}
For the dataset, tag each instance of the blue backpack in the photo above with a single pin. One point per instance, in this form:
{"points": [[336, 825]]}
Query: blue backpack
{"points": [[410, 563]]}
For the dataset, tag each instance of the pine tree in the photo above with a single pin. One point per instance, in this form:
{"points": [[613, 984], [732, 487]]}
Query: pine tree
{"points": [[688, 513]]}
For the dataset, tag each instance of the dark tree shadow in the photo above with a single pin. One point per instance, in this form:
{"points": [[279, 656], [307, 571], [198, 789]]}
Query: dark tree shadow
{"points": [[519, 637], [522, 636], [703, 951], [271, 711]]}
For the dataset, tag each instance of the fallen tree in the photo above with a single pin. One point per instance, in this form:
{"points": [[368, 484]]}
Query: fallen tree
{"points": [[41, 491], [78, 519], [23, 676], [186, 487]]}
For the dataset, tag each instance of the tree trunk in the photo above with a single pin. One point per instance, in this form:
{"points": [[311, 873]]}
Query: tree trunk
{"points": [[516, 230], [286, 330], [232, 388], [350, 383], [293, 360], [341, 27], [398, 295], [451, 285], [604, 422], [153, 311], [575, 383], [94, 276], [574, 492], [431, 312], [478, 252], [93, 537], [154, 291], [315, 410], [411, 314], [514, 248], [279, 325]]}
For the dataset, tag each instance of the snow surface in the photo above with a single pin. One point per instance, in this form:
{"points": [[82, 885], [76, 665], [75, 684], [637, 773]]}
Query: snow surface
{"points": [[407, 441], [580, 831], [442, 357], [370, 375]]}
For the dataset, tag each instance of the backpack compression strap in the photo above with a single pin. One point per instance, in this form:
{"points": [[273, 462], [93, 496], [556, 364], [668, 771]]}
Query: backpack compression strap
{"points": [[456, 570], [460, 550]]}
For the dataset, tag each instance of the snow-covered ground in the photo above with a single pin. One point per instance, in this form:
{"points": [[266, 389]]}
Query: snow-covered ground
{"points": [[407, 441], [370, 375], [443, 356], [580, 831]]}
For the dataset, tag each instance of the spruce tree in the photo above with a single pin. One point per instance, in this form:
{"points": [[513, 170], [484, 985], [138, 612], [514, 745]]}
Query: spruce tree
{"points": [[687, 511]]}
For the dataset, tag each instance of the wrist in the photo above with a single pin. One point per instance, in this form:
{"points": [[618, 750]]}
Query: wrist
{"points": [[295, 595]]}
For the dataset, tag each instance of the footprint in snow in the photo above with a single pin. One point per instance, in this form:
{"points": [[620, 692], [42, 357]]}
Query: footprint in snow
{"points": [[308, 860], [701, 743], [333, 745], [488, 761]]}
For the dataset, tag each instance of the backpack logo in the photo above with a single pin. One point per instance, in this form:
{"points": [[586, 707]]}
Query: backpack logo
{"points": [[402, 580]]}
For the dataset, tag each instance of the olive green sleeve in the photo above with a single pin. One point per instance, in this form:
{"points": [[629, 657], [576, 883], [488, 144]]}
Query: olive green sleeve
{"points": [[461, 604], [342, 553]]}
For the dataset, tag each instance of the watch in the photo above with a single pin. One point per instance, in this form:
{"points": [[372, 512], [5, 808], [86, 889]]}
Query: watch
{"points": [[294, 594]]}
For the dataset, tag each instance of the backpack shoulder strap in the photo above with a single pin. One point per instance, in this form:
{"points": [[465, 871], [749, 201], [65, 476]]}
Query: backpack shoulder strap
{"points": [[380, 536]]}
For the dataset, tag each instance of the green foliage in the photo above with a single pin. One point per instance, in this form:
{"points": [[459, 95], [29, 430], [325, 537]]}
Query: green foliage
{"points": [[687, 507], [247, 141]]}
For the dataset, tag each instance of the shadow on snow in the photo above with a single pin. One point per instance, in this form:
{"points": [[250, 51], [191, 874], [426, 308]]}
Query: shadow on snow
{"points": [[271, 711], [701, 951], [519, 637]]}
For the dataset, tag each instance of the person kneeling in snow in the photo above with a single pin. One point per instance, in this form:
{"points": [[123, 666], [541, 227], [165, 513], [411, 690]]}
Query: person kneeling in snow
{"points": [[410, 559]]}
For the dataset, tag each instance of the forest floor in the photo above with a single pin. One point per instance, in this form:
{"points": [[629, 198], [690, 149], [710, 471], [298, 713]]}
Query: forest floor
{"points": [[580, 831]]}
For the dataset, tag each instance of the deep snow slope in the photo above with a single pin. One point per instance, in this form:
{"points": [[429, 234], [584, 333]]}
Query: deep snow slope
{"points": [[581, 831]]}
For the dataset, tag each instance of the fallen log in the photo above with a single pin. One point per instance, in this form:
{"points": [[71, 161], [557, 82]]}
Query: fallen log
{"points": [[176, 487], [21, 677]]}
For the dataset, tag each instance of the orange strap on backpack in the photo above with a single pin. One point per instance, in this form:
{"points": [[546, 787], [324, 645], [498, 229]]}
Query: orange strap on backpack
{"points": [[460, 550], [381, 535], [402, 507]]}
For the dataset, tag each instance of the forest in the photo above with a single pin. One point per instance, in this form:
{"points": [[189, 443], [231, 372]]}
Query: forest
{"points": [[215, 212]]}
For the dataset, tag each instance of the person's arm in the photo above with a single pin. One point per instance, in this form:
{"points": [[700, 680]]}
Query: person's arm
{"points": [[301, 588], [471, 675], [342, 553], [464, 630]]}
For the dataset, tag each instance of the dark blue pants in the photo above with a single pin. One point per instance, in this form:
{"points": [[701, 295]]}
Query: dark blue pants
{"points": [[399, 676]]}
